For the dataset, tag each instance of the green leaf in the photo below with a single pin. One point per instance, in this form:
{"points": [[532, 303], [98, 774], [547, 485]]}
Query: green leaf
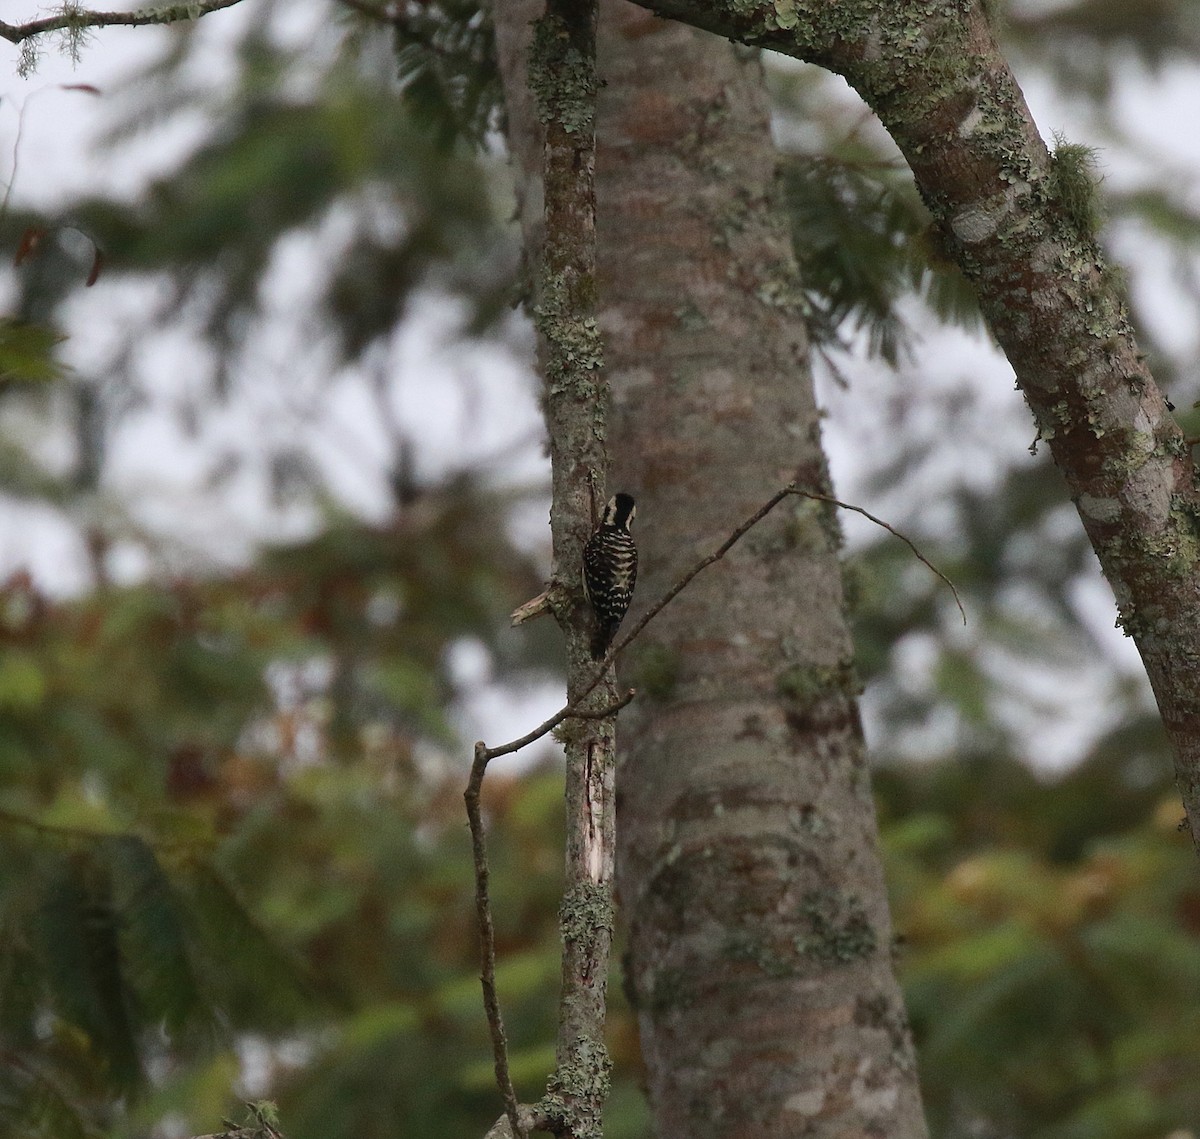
{"points": [[27, 353], [22, 681], [76, 929], [151, 933]]}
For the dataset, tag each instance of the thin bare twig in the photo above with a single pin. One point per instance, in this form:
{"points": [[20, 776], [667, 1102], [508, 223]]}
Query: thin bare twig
{"points": [[666, 599], [891, 530], [547, 726], [602, 713], [487, 939], [15, 161], [79, 19], [699, 567]]}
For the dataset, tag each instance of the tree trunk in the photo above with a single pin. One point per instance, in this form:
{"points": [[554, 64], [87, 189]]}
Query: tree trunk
{"points": [[748, 862], [574, 399]]}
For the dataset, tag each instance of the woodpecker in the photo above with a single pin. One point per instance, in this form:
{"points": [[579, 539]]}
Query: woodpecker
{"points": [[610, 570]]}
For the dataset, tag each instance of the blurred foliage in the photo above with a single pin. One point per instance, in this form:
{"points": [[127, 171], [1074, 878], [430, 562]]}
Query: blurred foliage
{"points": [[446, 65], [27, 353], [414, 212], [369, 153], [1085, 43], [233, 860], [1051, 986], [230, 811], [862, 239], [198, 868]]}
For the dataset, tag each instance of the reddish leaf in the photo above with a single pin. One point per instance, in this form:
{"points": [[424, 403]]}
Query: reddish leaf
{"points": [[97, 265], [30, 240]]}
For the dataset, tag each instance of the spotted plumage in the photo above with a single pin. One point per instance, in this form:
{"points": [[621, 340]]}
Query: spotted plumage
{"points": [[610, 570]]}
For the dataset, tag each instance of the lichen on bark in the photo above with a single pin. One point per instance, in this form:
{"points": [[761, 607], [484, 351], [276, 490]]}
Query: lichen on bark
{"points": [[559, 70]]}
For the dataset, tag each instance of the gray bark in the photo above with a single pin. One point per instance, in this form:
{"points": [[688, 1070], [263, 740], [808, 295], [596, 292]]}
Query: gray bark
{"points": [[748, 864]]}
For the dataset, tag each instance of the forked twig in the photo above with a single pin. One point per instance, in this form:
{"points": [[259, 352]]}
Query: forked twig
{"points": [[483, 905]]}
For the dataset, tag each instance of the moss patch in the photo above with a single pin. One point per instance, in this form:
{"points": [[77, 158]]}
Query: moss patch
{"points": [[1074, 184]]}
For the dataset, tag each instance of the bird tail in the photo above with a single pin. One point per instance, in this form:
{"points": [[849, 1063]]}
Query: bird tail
{"points": [[601, 639]]}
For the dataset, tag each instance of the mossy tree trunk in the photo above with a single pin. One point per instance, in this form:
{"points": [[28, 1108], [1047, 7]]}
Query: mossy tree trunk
{"points": [[1018, 222], [552, 83]]}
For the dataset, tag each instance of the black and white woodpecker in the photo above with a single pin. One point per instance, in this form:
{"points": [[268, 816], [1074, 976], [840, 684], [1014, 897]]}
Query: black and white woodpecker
{"points": [[610, 570]]}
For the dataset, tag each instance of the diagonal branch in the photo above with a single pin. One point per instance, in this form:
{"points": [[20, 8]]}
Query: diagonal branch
{"points": [[572, 708], [74, 20]]}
